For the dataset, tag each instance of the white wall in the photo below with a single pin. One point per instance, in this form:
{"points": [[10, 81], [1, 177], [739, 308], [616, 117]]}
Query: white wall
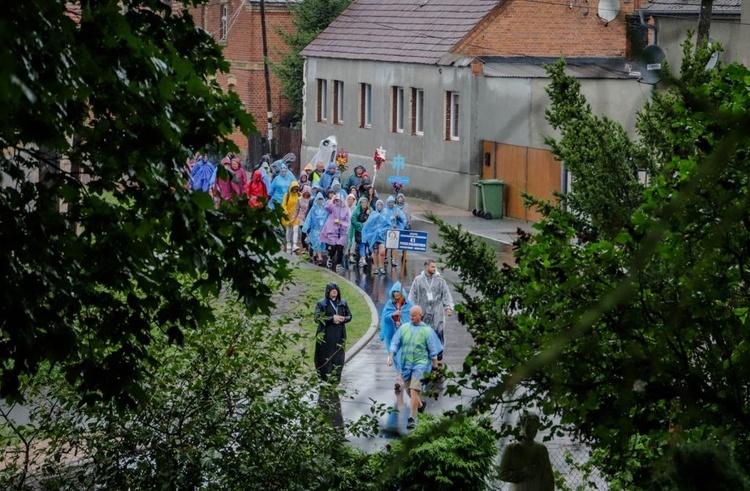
{"points": [[671, 32], [438, 169]]}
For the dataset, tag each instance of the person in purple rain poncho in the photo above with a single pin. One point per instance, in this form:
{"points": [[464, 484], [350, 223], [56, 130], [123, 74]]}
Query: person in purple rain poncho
{"points": [[335, 232]]}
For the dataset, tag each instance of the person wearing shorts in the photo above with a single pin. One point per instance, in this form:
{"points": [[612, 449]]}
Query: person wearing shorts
{"points": [[417, 345]]}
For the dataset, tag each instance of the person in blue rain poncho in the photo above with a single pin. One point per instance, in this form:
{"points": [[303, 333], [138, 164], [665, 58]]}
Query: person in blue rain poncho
{"points": [[327, 178], [396, 308], [397, 219], [203, 175], [373, 233], [280, 185], [313, 226], [337, 189]]}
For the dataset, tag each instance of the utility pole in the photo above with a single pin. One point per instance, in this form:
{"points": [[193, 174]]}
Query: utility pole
{"points": [[269, 109], [704, 22]]}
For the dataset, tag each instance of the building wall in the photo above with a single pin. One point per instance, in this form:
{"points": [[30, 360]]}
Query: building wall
{"points": [[506, 110], [243, 49], [552, 28], [672, 32], [440, 170]]}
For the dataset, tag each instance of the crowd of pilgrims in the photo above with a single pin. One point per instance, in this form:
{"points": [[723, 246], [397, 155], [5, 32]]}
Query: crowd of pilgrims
{"points": [[344, 223]]}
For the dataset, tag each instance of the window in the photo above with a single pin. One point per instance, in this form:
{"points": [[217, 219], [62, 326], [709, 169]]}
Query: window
{"points": [[365, 106], [224, 27], [338, 102], [417, 112], [322, 100], [397, 123], [451, 116]]}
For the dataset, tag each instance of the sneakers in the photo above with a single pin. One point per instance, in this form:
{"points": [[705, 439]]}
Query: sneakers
{"points": [[393, 263], [422, 407], [382, 270], [375, 271], [362, 262], [329, 263], [339, 269], [411, 424]]}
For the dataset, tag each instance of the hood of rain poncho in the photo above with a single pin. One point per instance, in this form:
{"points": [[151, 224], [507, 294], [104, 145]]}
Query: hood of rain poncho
{"points": [[357, 168], [308, 167], [382, 205], [400, 195], [306, 189], [336, 184], [332, 286], [363, 198]]}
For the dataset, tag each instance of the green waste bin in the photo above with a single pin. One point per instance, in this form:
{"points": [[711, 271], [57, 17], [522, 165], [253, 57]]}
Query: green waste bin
{"points": [[479, 202], [492, 198]]}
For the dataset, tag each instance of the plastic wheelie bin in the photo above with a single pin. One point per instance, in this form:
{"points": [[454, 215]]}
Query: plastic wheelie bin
{"points": [[478, 210], [492, 198]]}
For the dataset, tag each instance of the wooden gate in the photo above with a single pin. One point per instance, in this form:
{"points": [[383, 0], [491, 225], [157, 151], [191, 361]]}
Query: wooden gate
{"points": [[522, 169], [290, 141]]}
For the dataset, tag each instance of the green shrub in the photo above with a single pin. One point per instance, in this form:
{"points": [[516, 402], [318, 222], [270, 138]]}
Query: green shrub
{"points": [[443, 454]]}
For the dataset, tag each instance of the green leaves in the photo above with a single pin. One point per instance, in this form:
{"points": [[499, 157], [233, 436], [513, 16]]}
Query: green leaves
{"points": [[625, 316], [105, 101]]}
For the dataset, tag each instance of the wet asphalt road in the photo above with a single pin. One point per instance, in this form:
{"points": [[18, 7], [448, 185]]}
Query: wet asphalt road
{"points": [[367, 380]]}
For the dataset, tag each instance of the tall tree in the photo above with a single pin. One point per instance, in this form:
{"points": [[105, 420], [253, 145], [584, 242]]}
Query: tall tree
{"points": [[102, 103], [634, 339], [310, 17]]}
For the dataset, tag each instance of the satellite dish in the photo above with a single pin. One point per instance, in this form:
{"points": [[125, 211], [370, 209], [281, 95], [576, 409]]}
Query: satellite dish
{"points": [[714, 56], [650, 64], [608, 10]]}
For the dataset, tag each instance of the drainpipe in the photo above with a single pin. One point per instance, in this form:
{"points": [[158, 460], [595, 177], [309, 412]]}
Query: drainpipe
{"points": [[647, 25]]}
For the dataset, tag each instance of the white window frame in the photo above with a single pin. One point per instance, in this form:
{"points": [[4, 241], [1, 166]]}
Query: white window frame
{"points": [[419, 112], [454, 106], [366, 105], [338, 88], [398, 108], [224, 22], [322, 100]]}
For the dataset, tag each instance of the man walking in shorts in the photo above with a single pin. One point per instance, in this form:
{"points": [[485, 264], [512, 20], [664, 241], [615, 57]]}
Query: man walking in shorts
{"points": [[417, 345]]}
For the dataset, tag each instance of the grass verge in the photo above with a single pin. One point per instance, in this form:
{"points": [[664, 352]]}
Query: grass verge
{"points": [[308, 286]]}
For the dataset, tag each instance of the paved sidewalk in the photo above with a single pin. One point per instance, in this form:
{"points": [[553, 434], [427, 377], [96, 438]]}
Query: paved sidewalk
{"points": [[503, 230]]}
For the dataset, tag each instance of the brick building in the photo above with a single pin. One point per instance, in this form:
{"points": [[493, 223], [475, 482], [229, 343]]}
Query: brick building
{"points": [[458, 88], [236, 25]]}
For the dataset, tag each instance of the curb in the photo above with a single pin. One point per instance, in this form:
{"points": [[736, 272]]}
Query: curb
{"points": [[420, 218]]}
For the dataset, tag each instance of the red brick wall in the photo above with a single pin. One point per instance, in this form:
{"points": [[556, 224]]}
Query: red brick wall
{"points": [[556, 28], [244, 50]]}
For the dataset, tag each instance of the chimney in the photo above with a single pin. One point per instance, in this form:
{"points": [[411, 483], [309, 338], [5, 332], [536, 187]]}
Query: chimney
{"points": [[477, 67]]}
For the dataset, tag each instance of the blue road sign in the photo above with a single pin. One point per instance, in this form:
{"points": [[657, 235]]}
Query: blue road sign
{"points": [[406, 240], [402, 179]]}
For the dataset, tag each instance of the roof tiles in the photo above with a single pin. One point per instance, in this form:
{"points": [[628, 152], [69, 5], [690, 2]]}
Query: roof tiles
{"points": [[409, 31], [666, 7]]}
